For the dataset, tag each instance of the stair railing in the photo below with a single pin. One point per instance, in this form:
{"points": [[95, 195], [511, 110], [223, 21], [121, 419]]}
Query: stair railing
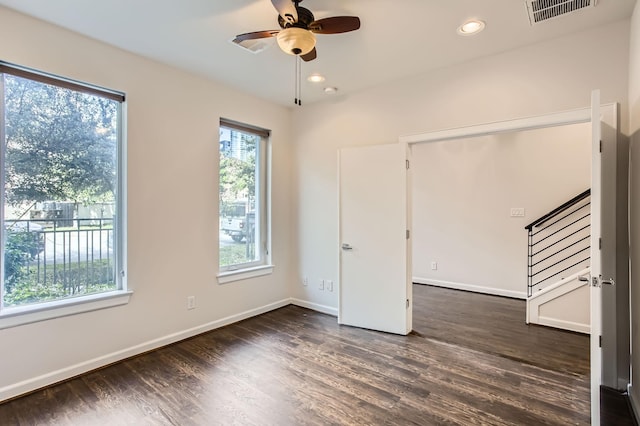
{"points": [[559, 243]]}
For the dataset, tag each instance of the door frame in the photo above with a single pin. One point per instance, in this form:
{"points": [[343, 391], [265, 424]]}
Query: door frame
{"points": [[563, 118]]}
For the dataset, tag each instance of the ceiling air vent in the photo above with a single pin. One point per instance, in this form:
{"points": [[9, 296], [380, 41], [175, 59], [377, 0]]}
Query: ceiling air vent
{"points": [[254, 46], [542, 10]]}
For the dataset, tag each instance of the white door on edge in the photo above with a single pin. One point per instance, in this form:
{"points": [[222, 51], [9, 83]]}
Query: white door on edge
{"points": [[603, 122], [603, 233], [374, 285], [596, 260]]}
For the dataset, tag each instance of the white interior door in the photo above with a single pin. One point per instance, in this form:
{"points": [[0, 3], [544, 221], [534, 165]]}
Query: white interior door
{"points": [[596, 257], [374, 287]]}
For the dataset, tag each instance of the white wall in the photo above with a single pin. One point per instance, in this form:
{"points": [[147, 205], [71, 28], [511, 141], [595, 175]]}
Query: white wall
{"points": [[634, 202], [172, 195], [539, 79], [463, 191]]}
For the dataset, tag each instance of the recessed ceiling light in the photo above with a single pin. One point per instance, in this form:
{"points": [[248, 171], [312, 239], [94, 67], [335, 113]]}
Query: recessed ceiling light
{"points": [[471, 27], [315, 78], [330, 90]]}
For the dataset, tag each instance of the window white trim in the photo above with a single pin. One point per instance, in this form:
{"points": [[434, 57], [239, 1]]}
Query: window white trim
{"points": [[12, 317], [243, 274]]}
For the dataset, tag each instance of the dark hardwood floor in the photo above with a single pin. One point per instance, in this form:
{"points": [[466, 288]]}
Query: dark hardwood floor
{"points": [[471, 360], [496, 325], [616, 409]]}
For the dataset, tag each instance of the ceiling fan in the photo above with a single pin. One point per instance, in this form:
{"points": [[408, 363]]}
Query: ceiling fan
{"points": [[298, 29]]}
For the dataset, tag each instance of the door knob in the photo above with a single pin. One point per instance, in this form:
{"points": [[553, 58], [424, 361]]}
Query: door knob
{"points": [[346, 246]]}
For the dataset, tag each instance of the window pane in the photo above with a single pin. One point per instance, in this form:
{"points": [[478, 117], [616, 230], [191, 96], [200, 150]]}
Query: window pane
{"points": [[60, 180], [241, 204]]}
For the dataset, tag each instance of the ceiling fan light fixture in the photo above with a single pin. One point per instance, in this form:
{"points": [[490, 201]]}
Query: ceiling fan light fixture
{"points": [[471, 27], [296, 41]]}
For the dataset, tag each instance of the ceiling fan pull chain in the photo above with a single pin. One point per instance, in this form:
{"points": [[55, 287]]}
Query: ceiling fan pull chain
{"points": [[299, 80], [295, 81], [297, 100]]}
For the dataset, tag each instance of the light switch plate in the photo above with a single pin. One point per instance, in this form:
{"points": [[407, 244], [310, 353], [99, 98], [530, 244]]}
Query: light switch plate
{"points": [[517, 211]]}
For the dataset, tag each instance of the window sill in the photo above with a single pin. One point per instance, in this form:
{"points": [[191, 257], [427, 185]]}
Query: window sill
{"points": [[13, 317], [243, 274]]}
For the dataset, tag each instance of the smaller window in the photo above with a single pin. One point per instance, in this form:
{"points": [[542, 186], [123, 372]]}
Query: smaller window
{"points": [[243, 221]]}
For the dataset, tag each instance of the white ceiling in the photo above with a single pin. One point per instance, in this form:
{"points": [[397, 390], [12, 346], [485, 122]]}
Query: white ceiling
{"points": [[397, 38]]}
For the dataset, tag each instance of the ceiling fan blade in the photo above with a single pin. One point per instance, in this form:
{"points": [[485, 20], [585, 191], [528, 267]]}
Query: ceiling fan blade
{"points": [[254, 35], [287, 10], [335, 25], [310, 56]]}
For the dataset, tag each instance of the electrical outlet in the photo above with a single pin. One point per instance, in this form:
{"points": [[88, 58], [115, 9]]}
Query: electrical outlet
{"points": [[305, 281], [329, 284], [434, 266], [191, 302], [321, 285]]}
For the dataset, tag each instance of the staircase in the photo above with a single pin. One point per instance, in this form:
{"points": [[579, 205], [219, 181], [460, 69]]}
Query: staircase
{"points": [[559, 245]]}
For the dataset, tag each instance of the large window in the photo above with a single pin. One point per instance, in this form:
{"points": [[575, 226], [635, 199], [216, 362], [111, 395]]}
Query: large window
{"points": [[61, 187], [243, 197]]}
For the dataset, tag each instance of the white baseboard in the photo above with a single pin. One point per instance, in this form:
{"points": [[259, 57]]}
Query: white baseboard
{"points": [[66, 373], [472, 287], [563, 324], [315, 307]]}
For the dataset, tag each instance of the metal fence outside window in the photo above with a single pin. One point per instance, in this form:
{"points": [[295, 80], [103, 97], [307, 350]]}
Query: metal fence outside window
{"points": [[75, 253]]}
